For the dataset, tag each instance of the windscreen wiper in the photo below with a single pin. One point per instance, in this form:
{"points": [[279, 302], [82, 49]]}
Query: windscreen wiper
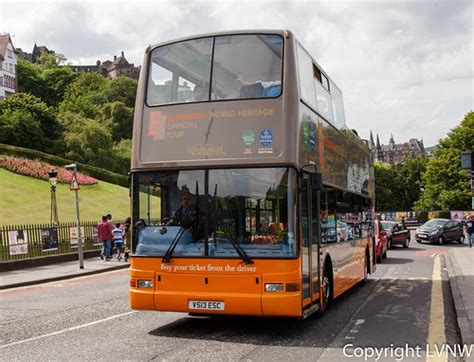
{"points": [[173, 244], [238, 248]]}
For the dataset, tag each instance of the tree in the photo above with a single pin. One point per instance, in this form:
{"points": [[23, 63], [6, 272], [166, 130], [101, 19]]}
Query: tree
{"points": [[120, 120], [89, 141], [385, 188], [408, 176], [447, 186], [45, 116], [19, 127], [56, 81], [30, 79], [85, 95], [122, 153], [122, 89], [50, 60]]}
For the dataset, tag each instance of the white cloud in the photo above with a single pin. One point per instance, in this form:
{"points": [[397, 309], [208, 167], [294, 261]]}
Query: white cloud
{"points": [[405, 67]]}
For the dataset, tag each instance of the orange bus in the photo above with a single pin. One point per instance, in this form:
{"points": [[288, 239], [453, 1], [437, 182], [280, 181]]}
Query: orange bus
{"points": [[250, 196]]}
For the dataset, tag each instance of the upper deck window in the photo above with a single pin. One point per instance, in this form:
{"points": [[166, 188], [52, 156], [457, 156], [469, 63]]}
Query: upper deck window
{"points": [[244, 66]]}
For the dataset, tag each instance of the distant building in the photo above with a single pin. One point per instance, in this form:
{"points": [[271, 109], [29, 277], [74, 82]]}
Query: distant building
{"points": [[34, 55], [8, 60], [396, 152], [111, 69]]}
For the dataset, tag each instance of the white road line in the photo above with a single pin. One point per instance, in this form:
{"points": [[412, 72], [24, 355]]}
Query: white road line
{"points": [[436, 333], [66, 330]]}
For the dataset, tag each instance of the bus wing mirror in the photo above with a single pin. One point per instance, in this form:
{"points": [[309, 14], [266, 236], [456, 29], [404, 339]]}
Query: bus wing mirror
{"points": [[316, 181]]}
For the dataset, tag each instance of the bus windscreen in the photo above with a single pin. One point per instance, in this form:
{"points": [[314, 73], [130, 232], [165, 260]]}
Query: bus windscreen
{"points": [[216, 68], [217, 208]]}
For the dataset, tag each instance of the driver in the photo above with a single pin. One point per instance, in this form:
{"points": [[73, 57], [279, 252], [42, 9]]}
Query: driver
{"points": [[184, 216]]}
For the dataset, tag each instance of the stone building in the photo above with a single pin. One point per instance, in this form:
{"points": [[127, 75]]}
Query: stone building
{"points": [[34, 55], [8, 61], [111, 69], [396, 152]]}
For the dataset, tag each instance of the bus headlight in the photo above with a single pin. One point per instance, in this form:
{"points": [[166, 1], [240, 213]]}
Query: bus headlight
{"points": [[145, 284], [274, 287]]}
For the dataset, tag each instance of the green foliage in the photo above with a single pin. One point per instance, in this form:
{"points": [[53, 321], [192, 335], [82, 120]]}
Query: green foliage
{"points": [[19, 127], [122, 153], [397, 187], [98, 173], [56, 81], [40, 112], [89, 141], [119, 117], [85, 95], [30, 79], [122, 89], [447, 186], [50, 60]]}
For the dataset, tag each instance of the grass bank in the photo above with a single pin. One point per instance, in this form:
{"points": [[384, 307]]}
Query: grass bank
{"points": [[25, 200]]}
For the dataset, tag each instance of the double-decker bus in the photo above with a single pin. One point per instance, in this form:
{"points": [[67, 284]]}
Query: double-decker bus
{"points": [[250, 196]]}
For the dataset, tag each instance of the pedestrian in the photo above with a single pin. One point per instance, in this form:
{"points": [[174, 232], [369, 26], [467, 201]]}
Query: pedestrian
{"points": [[470, 230], [112, 227], [404, 226], [128, 238], [118, 239], [105, 235]]}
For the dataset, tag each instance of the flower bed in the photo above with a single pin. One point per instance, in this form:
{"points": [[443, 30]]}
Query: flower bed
{"points": [[40, 170]]}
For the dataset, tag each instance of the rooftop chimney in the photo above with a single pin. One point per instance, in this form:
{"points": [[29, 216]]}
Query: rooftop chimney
{"points": [[115, 57], [122, 54]]}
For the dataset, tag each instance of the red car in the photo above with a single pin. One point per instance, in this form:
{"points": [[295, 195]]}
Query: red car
{"points": [[396, 235], [381, 240]]}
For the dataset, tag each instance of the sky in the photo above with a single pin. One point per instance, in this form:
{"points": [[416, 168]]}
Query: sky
{"points": [[405, 67]]}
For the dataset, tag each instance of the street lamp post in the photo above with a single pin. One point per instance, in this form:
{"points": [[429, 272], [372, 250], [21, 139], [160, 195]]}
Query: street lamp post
{"points": [[74, 186], [54, 219]]}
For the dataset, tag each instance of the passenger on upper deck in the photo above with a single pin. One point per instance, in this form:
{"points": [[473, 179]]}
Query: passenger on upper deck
{"points": [[199, 93]]}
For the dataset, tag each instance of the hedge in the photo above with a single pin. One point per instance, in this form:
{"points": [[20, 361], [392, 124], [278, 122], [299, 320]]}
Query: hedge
{"points": [[98, 173]]}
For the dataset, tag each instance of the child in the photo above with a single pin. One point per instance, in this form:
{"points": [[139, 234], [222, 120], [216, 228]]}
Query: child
{"points": [[118, 239]]}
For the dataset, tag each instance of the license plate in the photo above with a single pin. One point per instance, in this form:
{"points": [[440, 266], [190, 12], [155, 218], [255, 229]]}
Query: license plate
{"points": [[205, 305], [422, 236]]}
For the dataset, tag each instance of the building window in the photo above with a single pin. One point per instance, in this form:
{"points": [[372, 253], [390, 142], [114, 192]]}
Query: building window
{"points": [[9, 53], [1, 81]]}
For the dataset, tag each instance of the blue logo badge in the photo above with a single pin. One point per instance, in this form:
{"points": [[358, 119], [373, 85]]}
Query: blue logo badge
{"points": [[266, 137], [312, 140]]}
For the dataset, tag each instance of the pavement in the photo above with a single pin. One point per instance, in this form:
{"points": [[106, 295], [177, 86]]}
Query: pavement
{"points": [[460, 267], [58, 271]]}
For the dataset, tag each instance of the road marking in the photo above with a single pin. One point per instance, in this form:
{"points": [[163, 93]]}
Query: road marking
{"points": [[66, 330], [436, 333]]}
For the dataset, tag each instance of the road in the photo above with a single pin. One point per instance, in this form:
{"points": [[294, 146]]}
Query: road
{"points": [[407, 300]]}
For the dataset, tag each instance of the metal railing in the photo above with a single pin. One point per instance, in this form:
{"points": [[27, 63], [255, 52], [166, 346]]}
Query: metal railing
{"points": [[18, 242]]}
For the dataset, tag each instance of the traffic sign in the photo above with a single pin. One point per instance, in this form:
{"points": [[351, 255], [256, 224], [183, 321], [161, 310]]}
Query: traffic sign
{"points": [[74, 185]]}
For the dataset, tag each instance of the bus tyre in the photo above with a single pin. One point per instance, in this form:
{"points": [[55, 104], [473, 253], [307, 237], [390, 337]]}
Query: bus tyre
{"points": [[326, 290]]}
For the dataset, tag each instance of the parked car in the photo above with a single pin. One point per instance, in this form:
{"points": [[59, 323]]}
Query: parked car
{"points": [[440, 231], [381, 241], [396, 235]]}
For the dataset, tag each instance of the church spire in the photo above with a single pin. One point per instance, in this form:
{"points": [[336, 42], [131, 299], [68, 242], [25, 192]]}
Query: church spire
{"points": [[371, 140]]}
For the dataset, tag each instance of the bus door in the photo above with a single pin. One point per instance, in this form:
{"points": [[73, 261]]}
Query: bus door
{"points": [[309, 249]]}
